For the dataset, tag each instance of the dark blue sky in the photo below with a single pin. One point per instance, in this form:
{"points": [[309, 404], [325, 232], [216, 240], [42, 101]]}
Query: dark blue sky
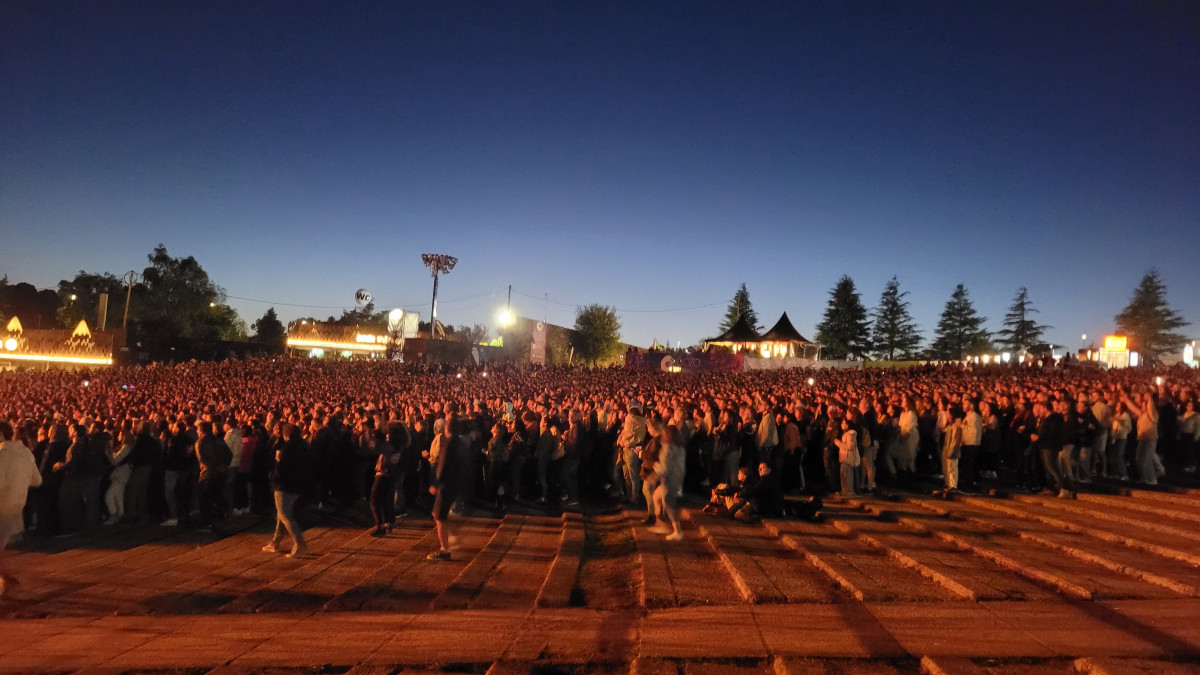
{"points": [[650, 156]]}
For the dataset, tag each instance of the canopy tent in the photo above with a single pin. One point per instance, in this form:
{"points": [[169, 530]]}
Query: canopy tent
{"points": [[784, 341], [740, 336]]}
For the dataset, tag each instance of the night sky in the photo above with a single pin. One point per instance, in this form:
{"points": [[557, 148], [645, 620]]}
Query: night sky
{"points": [[646, 155]]}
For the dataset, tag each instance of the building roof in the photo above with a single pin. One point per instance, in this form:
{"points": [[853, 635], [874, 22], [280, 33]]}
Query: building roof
{"points": [[740, 332], [784, 331]]}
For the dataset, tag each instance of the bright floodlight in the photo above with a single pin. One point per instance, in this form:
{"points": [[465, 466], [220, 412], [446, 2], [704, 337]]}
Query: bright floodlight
{"points": [[505, 317], [10, 344]]}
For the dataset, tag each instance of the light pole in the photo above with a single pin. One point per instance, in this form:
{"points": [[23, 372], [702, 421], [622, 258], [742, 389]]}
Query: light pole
{"points": [[437, 263], [130, 279]]}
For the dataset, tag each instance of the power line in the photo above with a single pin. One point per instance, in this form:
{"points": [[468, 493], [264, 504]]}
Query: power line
{"points": [[619, 309], [294, 304]]}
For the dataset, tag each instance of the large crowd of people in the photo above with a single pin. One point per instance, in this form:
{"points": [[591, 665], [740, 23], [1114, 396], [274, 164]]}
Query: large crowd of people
{"points": [[191, 444]]}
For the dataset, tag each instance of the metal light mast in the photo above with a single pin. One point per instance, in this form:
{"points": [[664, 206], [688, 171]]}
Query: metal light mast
{"points": [[437, 263]]}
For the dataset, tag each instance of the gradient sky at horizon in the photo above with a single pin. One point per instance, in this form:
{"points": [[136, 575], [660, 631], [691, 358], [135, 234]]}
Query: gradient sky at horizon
{"points": [[648, 156]]}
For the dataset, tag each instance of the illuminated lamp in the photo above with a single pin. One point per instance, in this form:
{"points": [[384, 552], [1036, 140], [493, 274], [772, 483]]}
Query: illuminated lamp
{"points": [[1006, 357], [986, 358], [10, 344], [55, 358], [1134, 359], [370, 347], [811, 381]]}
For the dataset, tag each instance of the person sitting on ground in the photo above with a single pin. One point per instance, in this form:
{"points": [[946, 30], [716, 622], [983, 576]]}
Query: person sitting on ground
{"points": [[725, 495], [763, 498]]}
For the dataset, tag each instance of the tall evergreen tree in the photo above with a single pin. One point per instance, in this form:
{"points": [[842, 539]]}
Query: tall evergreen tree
{"points": [[1150, 322], [1020, 331], [844, 332], [894, 332], [960, 330], [738, 307]]}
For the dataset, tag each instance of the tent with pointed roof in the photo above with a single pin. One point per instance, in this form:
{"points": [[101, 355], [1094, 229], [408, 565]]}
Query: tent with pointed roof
{"points": [[740, 336], [784, 341]]}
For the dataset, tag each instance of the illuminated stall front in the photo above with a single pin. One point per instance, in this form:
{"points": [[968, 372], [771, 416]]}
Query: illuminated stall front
{"points": [[78, 348], [1115, 353], [783, 341], [740, 337], [325, 339]]}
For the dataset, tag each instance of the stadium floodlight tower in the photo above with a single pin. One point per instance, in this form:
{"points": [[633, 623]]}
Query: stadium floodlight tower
{"points": [[437, 263]]}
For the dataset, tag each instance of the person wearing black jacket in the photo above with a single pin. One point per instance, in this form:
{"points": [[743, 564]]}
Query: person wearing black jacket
{"points": [[180, 472], [1049, 442], [291, 478], [49, 516], [383, 489], [145, 447], [446, 481], [213, 467], [764, 497]]}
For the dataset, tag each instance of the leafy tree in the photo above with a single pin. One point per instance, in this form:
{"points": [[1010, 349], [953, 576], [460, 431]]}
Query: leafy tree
{"points": [[844, 332], [960, 330], [177, 299], [1149, 322], [269, 331], [35, 309], [363, 317], [474, 334], [86, 289], [738, 307], [1020, 331], [894, 332], [597, 334]]}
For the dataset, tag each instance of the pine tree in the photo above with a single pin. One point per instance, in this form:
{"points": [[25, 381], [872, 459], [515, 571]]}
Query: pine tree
{"points": [[1150, 322], [894, 331], [1020, 331], [844, 332], [738, 307], [960, 330]]}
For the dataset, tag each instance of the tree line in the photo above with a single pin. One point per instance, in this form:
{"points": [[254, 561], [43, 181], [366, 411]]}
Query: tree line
{"points": [[848, 330], [170, 310]]}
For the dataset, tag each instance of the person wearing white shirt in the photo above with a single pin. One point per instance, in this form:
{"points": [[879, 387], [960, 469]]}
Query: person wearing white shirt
{"points": [[18, 473]]}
